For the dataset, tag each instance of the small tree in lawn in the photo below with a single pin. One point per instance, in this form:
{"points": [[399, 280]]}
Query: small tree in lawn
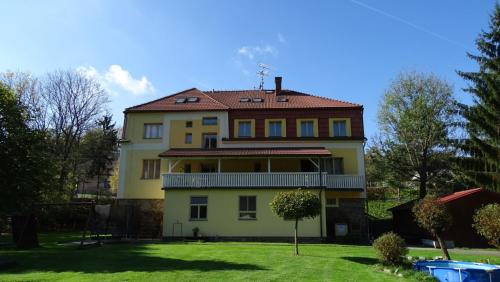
{"points": [[434, 217], [296, 205], [487, 223]]}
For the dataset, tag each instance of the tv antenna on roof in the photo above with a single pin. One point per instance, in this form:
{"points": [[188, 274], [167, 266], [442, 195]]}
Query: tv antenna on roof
{"points": [[263, 71]]}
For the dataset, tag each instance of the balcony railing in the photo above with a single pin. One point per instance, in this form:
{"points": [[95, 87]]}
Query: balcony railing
{"points": [[262, 179]]}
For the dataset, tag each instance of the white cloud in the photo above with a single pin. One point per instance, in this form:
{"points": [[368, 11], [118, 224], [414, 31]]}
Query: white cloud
{"points": [[117, 76], [121, 77], [252, 51], [281, 38]]}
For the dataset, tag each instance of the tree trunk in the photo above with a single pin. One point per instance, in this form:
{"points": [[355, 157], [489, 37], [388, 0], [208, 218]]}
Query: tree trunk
{"points": [[423, 184], [443, 247], [97, 190], [296, 242], [423, 176]]}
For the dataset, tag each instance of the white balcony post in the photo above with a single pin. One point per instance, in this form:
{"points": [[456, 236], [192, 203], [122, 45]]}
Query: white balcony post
{"points": [[218, 165], [268, 165]]}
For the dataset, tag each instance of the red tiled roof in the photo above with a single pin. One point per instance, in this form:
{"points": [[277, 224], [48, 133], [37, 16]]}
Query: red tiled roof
{"points": [[295, 100], [246, 152], [223, 100], [168, 103], [458, 195]]}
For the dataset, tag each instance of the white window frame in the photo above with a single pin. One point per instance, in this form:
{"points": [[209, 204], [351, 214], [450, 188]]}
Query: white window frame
{"points": [[151, 169], [304, 125], [153, 131], [272, 128], [337, 123], [240, 131], [198, 208], [186, 139], [211, 144], [247, 211], [205, 121]]}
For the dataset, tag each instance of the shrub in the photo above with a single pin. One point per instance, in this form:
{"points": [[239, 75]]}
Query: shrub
{"points": [[487, 223], [390, 248]]}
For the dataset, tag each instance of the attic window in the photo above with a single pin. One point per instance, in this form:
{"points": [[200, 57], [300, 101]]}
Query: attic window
{"points": [[180, 100], [282, 99], [258, 100], [244, 100], [193, 99]]}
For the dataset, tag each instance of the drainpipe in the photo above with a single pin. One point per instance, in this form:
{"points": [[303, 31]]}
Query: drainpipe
{"points": [[320, 199]]}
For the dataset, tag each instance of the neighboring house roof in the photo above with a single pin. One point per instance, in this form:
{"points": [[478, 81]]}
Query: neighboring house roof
{"points": [[458, 195], [443, 199], [231, 99], [246, 152]]}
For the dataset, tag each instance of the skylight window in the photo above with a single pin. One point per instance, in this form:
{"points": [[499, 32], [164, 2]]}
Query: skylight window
{"points": [[282, 99], [193, 99], [180, 100], [244, 100], [258, 100]]}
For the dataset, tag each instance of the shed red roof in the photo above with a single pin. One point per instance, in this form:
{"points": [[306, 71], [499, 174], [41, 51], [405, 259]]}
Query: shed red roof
{"points": [[223, 100], [458, 195], [246, 152]]}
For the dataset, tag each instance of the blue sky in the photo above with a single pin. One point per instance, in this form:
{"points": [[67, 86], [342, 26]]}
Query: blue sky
{"points": [[345, 49]]}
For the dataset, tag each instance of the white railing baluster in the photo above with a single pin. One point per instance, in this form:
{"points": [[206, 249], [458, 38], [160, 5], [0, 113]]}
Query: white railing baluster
{"points": [[263, 179]]}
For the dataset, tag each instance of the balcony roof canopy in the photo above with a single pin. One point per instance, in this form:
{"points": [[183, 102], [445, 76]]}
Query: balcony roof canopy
{"points": [[248, 152]]}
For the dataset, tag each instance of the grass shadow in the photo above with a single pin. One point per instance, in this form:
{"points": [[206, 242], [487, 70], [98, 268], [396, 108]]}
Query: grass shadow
{"points": [[361, 260], [112, 259]]}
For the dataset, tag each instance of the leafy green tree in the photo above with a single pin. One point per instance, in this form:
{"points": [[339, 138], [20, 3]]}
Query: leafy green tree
{"points": [[376, 168], [99, 148], [415, 118], [296, 205], [481, 150], [26, 169], [487, 223], [434, 216]]}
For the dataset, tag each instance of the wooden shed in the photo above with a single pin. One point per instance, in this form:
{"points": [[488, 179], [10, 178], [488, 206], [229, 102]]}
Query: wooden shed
{"points": [[462, 206]]}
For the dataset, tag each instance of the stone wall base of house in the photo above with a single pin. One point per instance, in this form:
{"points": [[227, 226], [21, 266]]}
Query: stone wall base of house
{"points": [[350, 211], [138, 218]]}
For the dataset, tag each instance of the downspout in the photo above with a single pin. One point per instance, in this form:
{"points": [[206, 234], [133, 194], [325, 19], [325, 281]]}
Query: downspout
{"points": [[366, 195], [321, 200]]}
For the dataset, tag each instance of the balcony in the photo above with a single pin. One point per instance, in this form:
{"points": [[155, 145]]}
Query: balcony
{"points": [[262, 180]]}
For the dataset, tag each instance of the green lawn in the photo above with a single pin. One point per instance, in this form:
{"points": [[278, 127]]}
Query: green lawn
{"points": [[202, 261]]}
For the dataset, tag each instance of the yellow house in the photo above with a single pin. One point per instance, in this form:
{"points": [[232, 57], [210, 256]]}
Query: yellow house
{"points": [[215, 159]]}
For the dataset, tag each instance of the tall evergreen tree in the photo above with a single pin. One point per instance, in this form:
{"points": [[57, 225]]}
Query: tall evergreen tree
{"points": [[99, 147], [481, 150]]}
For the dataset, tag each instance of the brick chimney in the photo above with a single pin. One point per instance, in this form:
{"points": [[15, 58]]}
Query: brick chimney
{"points": [[277, 82]]}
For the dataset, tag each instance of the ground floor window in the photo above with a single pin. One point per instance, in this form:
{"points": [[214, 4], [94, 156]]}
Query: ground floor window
{"points": [[199, 206], [248, 207]]}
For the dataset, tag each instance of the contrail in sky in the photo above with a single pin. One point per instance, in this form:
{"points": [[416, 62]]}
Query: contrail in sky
{"points": [[408, 23]]}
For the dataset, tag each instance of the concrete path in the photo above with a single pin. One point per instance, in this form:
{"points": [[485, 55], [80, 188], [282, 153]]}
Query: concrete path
{"points": [[482, 252]]}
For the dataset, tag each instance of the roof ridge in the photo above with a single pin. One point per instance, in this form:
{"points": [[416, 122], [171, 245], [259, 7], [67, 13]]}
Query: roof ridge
{"points": [[159, 99], [336, 100], [236, 90], [211, 98], [175, 94]]}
